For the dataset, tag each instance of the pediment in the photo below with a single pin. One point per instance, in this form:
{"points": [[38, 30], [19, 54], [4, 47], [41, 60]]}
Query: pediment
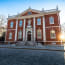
{"points": [[28, 12]]}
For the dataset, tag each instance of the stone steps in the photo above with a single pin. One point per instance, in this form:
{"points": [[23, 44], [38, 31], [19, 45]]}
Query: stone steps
{"points": [[29, 43]]}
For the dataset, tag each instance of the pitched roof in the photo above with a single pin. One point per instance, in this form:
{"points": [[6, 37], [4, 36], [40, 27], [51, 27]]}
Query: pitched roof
{"points": [[33, 10]]}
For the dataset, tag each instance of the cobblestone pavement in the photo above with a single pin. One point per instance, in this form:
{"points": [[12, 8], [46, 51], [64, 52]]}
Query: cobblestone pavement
{"points": [[30, 57]]}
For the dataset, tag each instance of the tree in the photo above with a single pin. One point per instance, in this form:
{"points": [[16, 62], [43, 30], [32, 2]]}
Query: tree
{"points": [[2, 20], [63, 27]]}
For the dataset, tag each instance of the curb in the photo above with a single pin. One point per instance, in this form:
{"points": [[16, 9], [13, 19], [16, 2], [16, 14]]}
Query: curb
{"points": [[35, 49]]}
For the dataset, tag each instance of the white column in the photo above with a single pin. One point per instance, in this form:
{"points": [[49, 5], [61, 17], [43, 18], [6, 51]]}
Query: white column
{"points": [[24, 31], [34, 29], [16, 29], [44, 32]]}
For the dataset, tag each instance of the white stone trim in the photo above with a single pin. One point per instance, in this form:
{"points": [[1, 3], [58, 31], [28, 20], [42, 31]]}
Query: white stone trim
{"points": [[35, 15], [28, 10], [24, 30], [58, 18], [16, 30], [34, 28], [51, 26], [44, 32], [28, 16], [59, 21], [11, 29]]}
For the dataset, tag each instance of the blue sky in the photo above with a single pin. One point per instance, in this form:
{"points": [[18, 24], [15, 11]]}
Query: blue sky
{"points": [[13, 7]]}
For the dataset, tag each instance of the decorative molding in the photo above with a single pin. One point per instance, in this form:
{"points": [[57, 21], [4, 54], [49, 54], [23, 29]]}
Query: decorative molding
{"points": [[35, 15], [11, 29], [51, 26]]}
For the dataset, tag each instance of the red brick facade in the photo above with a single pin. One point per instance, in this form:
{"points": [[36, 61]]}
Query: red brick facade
{"points": [[34, 14]]}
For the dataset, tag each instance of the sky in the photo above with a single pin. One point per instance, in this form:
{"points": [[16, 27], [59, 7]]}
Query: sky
{"points": [[13, 7]]}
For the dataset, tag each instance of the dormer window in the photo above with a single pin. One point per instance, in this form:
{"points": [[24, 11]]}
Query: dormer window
{"points": [[29, 13]]}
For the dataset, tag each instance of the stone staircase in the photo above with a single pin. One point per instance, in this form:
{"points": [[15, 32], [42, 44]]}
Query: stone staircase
{"points": [[30, 43], [20, 43], [27, 43]]}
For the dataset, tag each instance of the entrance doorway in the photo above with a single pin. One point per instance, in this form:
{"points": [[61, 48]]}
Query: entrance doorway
{"points": [[29, 36]]}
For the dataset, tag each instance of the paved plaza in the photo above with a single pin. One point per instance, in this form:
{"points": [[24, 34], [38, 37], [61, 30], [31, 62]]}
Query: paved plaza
{"points": [[30, 57]]}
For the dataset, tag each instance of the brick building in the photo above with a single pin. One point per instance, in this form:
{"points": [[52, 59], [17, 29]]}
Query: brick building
{"points": [[34, 25]]}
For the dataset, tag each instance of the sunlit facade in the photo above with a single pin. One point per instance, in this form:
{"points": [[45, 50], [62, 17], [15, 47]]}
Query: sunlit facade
{"points": [[34, 25]]}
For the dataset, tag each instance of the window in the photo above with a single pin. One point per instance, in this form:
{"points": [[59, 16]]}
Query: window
{"points": [[10, 35], [29, 13], [38, 21], [51, 20], [39, 33], [11, 24], [20, 34], [29, 22], [20, 23], [52, 34]]}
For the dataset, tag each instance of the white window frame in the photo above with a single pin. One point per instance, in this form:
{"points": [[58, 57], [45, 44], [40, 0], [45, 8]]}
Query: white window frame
{"points": [[20, 34], [10, 35], [51, 20], [53, 32], [20, 23], [11, 24], [39, 34], [38, 21]]}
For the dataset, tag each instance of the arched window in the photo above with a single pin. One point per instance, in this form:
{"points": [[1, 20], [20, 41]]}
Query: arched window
{"points": [[20, 34], [52, 34], [39, 34], [39, 21], [51, 20], [20, 23], [11, 24], [10, 35]]}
